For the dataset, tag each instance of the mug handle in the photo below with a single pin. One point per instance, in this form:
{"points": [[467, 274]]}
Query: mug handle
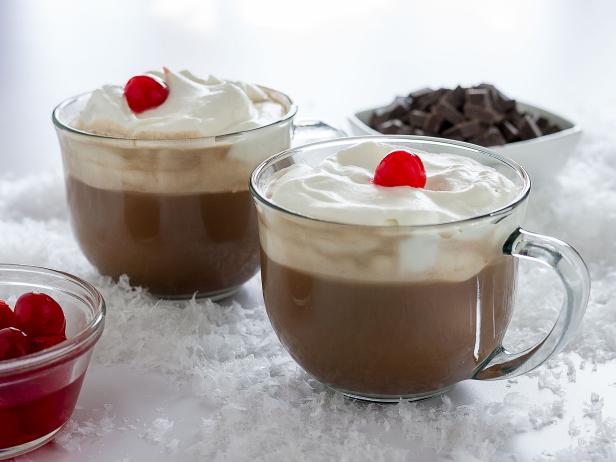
{"points": [[309, 131], [573, 273]]}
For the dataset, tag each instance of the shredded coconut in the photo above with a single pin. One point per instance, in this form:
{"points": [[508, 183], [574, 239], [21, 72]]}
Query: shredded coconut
{"points": [[252, 402]]}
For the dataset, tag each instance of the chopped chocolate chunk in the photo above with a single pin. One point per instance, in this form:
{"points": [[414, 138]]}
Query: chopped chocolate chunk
{"points": [[542, 123], [420, 93], [478, 97], [433, 122], [453, 133], [391, 127], [455, 97], [448, 112], [514, 116], [492, 137], [469, 128], [551, 129], [487, 86], [417, 118], [501, 103], [445, 125], [423, 101], [529, 128], [454, 130], [509, 131], [480, 114], [399, 108], [405, 130], [378, 117]]}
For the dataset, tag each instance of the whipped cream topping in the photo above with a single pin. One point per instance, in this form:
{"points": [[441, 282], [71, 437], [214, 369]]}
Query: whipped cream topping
{"points": [[194, 108], [340, 189]]}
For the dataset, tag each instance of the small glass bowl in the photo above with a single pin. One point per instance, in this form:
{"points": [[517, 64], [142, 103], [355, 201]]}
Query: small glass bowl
{"points": [[38, 392]]}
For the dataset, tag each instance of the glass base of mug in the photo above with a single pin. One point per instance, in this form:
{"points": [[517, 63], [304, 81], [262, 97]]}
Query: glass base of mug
{"points": [[389, 399], [15, 451], [214, 296]]}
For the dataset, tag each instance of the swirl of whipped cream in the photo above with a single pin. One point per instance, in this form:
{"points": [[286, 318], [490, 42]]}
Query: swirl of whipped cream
{"points": [[194, 108], [340, 189]]}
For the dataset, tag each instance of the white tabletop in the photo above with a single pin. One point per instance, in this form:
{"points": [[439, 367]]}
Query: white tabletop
{"points": [[249, 401]]}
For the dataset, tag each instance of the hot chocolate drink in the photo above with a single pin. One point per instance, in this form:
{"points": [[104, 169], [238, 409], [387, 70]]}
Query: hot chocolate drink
{"points": [[379, 338], [386, 292], [137, 233], [161, 194]]}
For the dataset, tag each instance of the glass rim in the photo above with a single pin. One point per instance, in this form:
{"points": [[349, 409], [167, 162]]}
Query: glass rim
{"points": [[84, 338], [498, 212], [59, 124]]}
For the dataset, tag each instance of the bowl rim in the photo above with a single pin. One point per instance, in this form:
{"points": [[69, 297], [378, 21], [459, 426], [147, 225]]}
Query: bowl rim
{"points": [[573, 128], [84, 339]]}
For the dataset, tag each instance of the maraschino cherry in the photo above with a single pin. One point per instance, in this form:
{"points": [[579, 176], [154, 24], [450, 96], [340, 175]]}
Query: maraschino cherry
{"points": [[46, 341], [13, 343], [37, 323], [144, 92], [400, 168], [7, 318], [39, 315]]}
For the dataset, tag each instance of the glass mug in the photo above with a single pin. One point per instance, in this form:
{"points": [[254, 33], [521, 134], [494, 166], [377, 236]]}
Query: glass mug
{"points": [[174, 215], [385, 313]]}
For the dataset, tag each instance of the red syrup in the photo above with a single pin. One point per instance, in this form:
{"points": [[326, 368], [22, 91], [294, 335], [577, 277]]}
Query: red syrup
{"points": [[26, 415]]}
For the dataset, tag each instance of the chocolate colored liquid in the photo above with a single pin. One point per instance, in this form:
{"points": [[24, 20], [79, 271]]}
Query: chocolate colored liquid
{"points": [[389, 339], [173, 244]]}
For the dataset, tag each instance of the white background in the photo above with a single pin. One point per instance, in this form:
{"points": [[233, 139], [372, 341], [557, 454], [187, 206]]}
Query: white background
{"points": [[332, 57]]}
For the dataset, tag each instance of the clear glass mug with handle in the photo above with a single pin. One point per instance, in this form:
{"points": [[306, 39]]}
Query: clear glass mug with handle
{"points": [[174, 215], [360, 307]]}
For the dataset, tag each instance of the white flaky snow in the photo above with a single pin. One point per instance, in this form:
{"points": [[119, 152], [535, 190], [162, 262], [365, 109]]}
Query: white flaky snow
{"points": [[250, 400]]}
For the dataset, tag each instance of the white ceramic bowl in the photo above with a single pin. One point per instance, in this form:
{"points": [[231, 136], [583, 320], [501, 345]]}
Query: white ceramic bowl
{"points": [[541, 157]]}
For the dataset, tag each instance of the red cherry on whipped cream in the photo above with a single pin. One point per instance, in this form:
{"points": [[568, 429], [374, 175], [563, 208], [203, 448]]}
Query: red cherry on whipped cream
{"points": [[13, 343], [7, 318], [400, 168], [39, 315], [144, 92]]}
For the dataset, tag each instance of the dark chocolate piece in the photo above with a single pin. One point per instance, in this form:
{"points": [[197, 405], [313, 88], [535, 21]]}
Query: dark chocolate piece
{"points": [[454, 130], [478, 97], [501, 103], [455, 97], [480, 114], [417, 118], [551, 129], [542, 123], [469, 128], [529, 128], [379, 116], [399, 108], [420, 93], [405, 130], [448, 112], [425, 100], [492, 137], [514, 117], [509, 131], [391, 127], [433, 122]]}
